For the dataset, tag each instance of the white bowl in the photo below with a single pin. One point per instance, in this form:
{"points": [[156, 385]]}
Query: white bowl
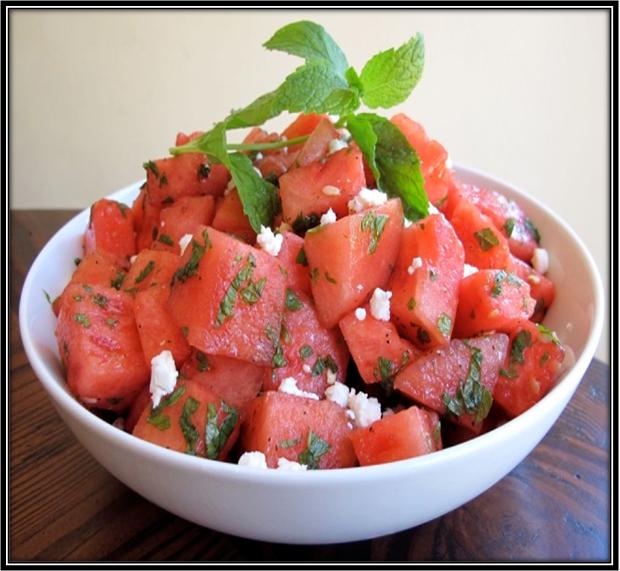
{"points": [[333, 505]]}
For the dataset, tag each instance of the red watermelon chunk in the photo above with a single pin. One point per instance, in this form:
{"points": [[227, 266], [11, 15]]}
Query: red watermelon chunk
{"points": [[542, 288], [492, 300], [110, 231], [230, 218], [286, 426], [406, 434], [236, 382], [433, 379], [292, 258], [158, 331], [485, 246], [186, 417], [309, 350], [426, 280], [351, 257], [150, 268], [532, 365], [376, 347], [99, 346], [303, 193], [185, 216], [230, 296], [189, 174]]}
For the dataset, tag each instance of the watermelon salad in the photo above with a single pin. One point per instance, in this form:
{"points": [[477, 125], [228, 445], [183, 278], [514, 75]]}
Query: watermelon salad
{"points": [[329, 296]]}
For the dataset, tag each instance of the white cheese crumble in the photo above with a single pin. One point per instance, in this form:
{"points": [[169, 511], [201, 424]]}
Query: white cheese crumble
{"points": [[328, 218], [259, 156], [289, 386], [344, 134], [380, 304], [268, 241], [119, 423], [253, 459], [284, 464], [163, 376], [338, 393], [257, 170], [330, 190], [184, 242], [415, 264], [388, 412], [533, 278], [366, 409], [331, 377], [540, 260], [360, 314], [229, 187], [432, 209], [367, 198], [468, 270], [133, 259], [407, 222], [359, 287], [307, 368], [336, 145]]}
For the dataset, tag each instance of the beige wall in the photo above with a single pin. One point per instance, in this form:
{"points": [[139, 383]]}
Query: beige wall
{"points": [[522, 95]]}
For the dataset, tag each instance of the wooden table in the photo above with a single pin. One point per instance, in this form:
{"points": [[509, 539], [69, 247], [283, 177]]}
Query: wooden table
{"points": [[64, 506]]}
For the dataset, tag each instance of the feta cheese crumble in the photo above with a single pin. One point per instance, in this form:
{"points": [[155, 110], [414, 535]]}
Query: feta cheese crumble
{"points": [[284, 464], [366, 409], [229, 187], [367, 198], [133, 258], [253, 459], [328, 218], [338, 393], [331, 376], [163, 376], [432, 209], [336, 145], [257, 170], [360, 314], [268, 241], [407, 222], [540, 260], [469, 270], [307, 368], [184, 242], [289, 386], [259, 156], [380, 304], [330, 190], [415, 264]]}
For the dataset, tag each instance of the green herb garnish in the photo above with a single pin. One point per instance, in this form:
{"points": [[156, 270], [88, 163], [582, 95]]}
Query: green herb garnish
{"points": [[77, 261], [165, 239], [305, 351], [374, 224], [325, 83], [472, 397], [191, 267], [216, 436], [315, 449], [100, 300], [444, 324], [486, 239], [203, 363], [190, 433], [301, 257], [82, 319], [117, 282], [293, 303], [227, 305], [509, 226], [289, 443], [520, 343], [531, 228], [150, 266]]}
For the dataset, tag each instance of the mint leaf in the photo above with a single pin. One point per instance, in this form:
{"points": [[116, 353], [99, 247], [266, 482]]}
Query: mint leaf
{"points": [[472, 397], [216, 436], [316, 88], [309, 41], [393, 160], [315, 449], [389, 77], [256, 113], [259, 197]]}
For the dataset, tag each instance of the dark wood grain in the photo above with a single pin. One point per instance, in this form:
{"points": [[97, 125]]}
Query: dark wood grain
{"points": [[64, 506]]}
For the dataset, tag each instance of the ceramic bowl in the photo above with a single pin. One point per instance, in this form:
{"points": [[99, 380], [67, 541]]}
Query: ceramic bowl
{"points": [[333, 505]]}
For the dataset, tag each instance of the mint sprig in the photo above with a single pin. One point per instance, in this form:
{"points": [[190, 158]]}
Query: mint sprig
{"points": [[326, 83]]}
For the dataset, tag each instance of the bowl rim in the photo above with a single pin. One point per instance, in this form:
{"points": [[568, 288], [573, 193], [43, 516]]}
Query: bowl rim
{"points": [[232, 471]]}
